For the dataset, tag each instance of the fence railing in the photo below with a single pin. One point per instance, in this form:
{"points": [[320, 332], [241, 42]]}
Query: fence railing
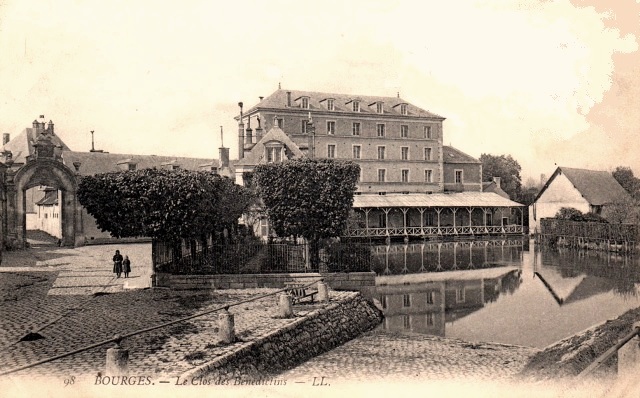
{"points": [[435, 231], [623, 365], [593, 230], [263, 258]]}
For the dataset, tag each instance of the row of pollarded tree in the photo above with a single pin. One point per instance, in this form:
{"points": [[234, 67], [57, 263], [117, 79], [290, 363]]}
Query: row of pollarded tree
{"points": [[303, 198]]}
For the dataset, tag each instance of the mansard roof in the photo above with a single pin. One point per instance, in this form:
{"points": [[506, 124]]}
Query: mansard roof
{"points": [[92, 163], [278, 101]]}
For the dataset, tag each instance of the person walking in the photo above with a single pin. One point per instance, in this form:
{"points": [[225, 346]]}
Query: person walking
{"points": [[126, 266], [117, 263]]}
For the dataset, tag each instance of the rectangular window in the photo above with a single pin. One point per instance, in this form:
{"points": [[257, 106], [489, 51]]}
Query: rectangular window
{"points": [[331, 127], [404, 131], [303, 128], [274, 154], [427, 132], [403, 109], [428, 176], [331, 151], [280, 122], [406, 321], [132, 166], [406, 300], [430, 297], [330, 104], [460, 295], [356, 128], [430, 318], [305, 102], [379, 107], [382, 173], [356, 106], [427, 153], [405, 175], [356, 151], [459, 179], [383, 301], [404, 153], [381, 152], [380, 130]]}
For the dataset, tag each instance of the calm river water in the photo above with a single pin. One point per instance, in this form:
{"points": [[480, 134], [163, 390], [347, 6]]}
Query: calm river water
{"points": [[503, 291]]}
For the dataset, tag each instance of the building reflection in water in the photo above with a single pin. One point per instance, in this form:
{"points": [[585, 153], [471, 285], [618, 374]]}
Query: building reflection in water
{"points": [[417, 297], [574, 275]]}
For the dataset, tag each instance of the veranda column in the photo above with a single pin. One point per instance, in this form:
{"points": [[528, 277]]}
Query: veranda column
{"points": [[404, 219], [439, 210], [470, 210], [366, 220], [484, 219], [454, 211], [421, 210]]}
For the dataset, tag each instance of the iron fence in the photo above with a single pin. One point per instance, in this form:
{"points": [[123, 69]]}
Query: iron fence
{"points": [[260, 258]]}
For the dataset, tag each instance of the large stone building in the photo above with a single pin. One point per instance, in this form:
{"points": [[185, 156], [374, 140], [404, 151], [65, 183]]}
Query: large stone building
{"points": [[39, 177], [410, 183]]}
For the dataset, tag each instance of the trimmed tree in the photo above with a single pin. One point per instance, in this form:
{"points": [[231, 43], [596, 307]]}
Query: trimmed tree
{"points": [[168, 205], [310, 198]]}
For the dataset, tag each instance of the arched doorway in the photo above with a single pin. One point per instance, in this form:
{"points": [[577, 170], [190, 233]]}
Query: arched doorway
{"points": [[43, 168], [50, 173]]}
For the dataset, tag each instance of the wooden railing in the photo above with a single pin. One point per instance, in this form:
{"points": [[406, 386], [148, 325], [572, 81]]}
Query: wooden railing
{"points": [[435, 231]]}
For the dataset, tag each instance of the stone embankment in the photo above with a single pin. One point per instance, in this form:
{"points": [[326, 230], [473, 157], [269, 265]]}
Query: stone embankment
{"points": [[319, 331], [568, 357]]}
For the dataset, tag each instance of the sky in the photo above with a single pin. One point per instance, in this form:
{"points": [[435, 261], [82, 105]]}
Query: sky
{"points": [[547, 82]]}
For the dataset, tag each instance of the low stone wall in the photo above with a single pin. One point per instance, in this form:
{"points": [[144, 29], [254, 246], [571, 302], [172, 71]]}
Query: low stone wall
{"points": [[317, 332], [358, 281], [570, 356]]}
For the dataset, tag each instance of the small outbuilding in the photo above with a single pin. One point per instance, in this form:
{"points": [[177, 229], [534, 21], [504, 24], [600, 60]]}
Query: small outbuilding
{"points": [[585, 190]]}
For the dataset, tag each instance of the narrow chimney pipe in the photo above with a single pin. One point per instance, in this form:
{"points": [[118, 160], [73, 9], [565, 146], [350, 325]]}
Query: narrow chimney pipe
{"points": [[241, 134]]}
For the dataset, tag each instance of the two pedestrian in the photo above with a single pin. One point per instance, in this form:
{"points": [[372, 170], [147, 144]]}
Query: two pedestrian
{"points": [[117, 263]]}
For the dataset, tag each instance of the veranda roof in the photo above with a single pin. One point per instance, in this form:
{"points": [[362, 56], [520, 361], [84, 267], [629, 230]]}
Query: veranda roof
{"points": [[458, 199]]}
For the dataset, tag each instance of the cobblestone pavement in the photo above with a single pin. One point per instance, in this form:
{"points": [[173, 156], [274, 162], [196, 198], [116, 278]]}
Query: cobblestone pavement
{"points": [[380, 355], [51, 293]]}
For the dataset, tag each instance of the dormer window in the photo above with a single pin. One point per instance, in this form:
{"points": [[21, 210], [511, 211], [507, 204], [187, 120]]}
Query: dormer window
{"points": [[304, 102], [403, 109], [127, 164], [356, 106], [330, 106], [273, 152], [379, 107]]}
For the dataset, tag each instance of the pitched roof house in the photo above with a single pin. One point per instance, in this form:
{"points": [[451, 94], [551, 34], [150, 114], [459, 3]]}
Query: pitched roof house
{"points": [[585, 190]]}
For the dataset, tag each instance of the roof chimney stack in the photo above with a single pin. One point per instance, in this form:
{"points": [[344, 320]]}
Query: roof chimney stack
{"points": [[261, 97], [5, 138], [289, 99], [497, 181], [241, 134]]}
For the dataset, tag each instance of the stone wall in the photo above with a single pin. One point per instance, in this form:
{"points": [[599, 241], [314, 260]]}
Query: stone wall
{"points": [[317, 332], [359, 281]]}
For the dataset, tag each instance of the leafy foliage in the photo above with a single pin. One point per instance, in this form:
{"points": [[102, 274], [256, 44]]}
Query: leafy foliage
{"points": [[569, 213], [505, 167], [163, 204], [310, 198], [625, 177]]}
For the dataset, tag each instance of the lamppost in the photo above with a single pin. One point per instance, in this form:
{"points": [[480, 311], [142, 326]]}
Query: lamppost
{"points": [[311, 131]]}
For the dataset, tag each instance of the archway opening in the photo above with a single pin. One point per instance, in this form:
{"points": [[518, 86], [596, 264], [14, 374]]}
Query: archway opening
{"points": [[42, 207]]}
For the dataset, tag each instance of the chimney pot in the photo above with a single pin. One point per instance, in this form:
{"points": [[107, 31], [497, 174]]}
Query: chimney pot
{"points": [[261, 98]]}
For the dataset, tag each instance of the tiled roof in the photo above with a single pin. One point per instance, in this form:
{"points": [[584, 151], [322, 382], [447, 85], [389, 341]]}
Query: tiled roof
{"points": [[342, 103], [256, 154], [102, 162], [453, 155], [50, 198], [21, 146], [597, 187], [462, 199]]}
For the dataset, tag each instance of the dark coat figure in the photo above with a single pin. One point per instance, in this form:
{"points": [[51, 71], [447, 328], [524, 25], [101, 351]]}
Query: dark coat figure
{"points": [[117, 263], [126, 266]]}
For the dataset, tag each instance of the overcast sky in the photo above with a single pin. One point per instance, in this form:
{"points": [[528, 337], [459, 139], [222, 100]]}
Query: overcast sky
{"points": [[547, 82]]}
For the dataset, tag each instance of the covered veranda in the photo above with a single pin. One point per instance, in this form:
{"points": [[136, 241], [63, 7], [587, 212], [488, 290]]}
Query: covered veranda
{"points": [[435, 215]]}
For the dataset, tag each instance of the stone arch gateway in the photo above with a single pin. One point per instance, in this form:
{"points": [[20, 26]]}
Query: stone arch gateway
{"points": [[45, 168]]}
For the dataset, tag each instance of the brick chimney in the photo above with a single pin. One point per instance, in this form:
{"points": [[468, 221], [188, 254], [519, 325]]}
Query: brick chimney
{"points": [[497, 181], [224, 157], [6, 138], [289, 99], [240, 134]]}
